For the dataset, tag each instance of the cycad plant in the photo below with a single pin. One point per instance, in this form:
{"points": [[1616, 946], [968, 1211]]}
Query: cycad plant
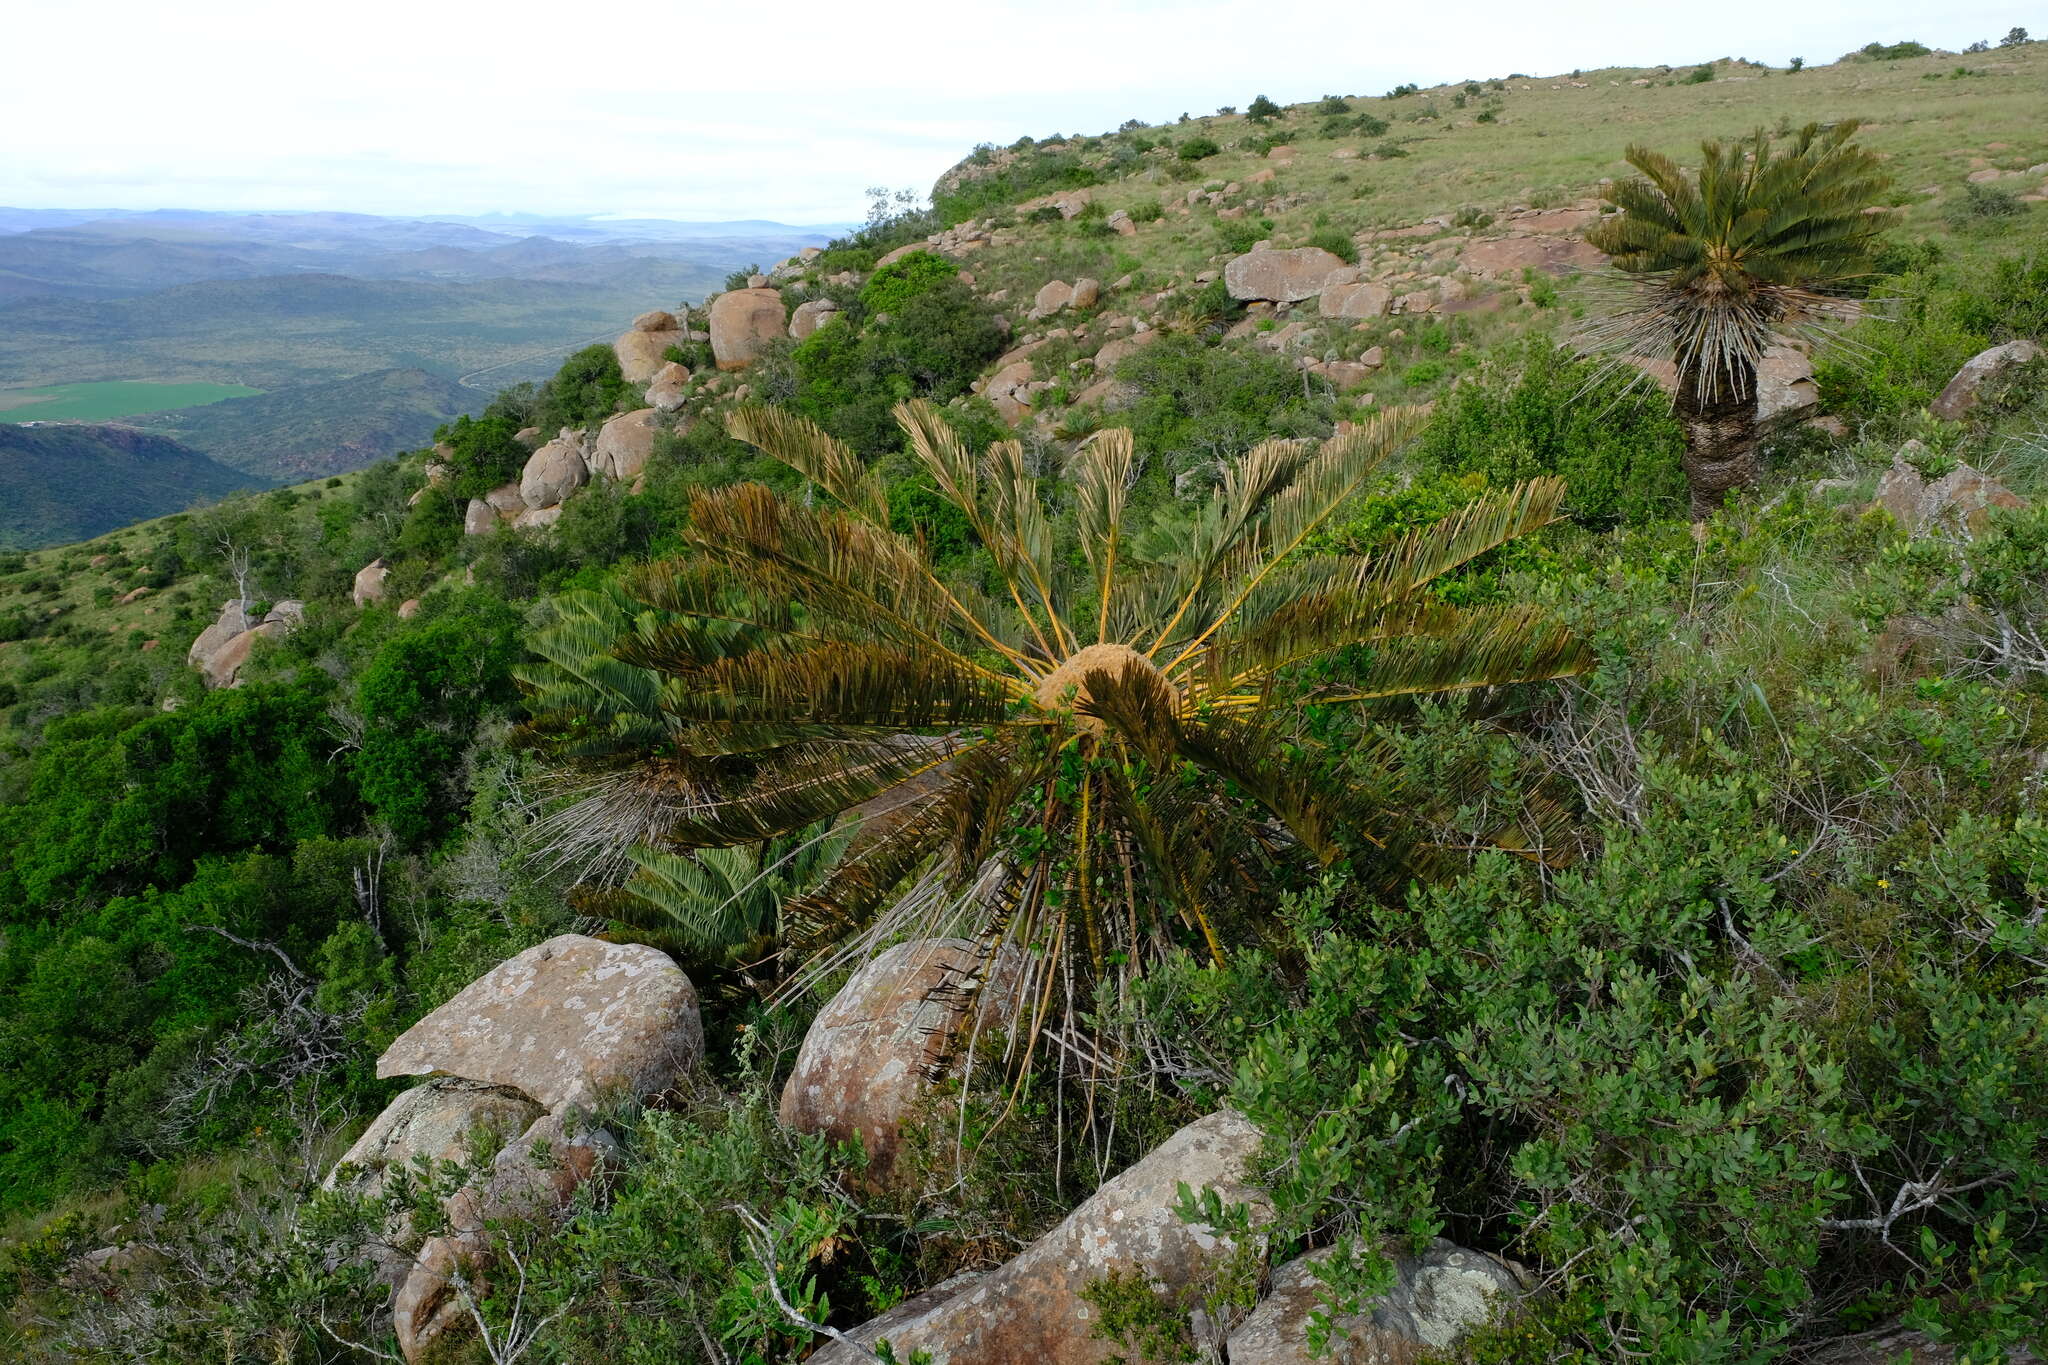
{"points": [[1086, 756], [1751, 250]]}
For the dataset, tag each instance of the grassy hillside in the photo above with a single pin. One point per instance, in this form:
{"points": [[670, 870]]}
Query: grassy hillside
{"points": [[74, 481], [1700, 971]]}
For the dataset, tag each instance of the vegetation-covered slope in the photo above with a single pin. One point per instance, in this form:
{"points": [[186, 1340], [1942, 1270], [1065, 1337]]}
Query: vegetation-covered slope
{"points": [[1705, 980], [70, 481]]}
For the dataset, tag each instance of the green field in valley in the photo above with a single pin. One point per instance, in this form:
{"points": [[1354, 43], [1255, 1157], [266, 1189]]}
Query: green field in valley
{"points": [[105, 400]]}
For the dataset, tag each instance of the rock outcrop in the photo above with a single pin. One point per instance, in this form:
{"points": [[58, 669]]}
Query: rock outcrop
{"points": [[644, 350], [1285, 276], [554, 471], [1032, 1310], [1436, 1298], [443, 1120], [223, 647], [742, 322], [1958, 503], [1961, 395], [624, 444], [871, 1053], [532, 1178], [563, 1022]]}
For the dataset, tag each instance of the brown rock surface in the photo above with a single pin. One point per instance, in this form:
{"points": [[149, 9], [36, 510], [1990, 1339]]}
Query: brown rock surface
{"points": [[1031, 1309], [665, 391], [642, 353], [810, 316], [1959, 501], [369, 585], [563, 1022], [1508, 257], [1355, 301]]}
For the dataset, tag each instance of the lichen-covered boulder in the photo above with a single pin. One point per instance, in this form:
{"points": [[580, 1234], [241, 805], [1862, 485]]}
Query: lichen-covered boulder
{"points": [[871, 1053], [479, 518], [563, 1022], [1959, 398], [1355, 301], [1959, 502], [1285, 276], [233, 620], [1436, 1298], [1032, 1310], [553, 472], [643, 351]]}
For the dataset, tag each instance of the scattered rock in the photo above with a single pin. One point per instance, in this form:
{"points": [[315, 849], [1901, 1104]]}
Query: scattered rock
{"points": [[1282, 276], [1961, 395], [409, 608], [1107, 359], [1785, 391], [742, 322], [656, 321], [506, 500], [624, 444], [370, 580], [1375, 357], [872, 1052], [665, 392], [1435, 1299], [1052, 296], [563, 1021], [1344, 375], [554, 471], [233, 620], [537, 518], [1031, 1309], [1959, 501], [478, 518], [1085, 294]]}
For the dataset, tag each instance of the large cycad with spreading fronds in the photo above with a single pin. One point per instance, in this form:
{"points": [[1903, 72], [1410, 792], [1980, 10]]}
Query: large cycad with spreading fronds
{"points": [[1094, 752], [1723, 263]]}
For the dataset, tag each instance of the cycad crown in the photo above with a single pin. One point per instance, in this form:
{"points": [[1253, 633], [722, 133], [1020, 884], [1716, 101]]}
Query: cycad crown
{"points": [[1078, 758]]}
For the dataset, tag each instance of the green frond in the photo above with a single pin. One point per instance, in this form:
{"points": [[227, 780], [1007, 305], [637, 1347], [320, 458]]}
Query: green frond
{"points": [[842, 685], [825, 460]]}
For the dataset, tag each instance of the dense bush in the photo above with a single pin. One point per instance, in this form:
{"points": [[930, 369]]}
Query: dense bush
{"points": [[586, 390], [481, 453], [1542, 412], [1197, 148], [1196, 404]]}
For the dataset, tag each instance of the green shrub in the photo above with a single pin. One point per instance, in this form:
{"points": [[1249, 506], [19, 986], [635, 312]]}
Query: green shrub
{"points": [[1197, 148], [1261, 109], [1699, 75], [1541, 413], [1147, 211], [586, 390], [1389, 150], [483, 452], [1333, 104], [1983, 205], [1197, 402], [1337, 242], [895, 284], [1891, 52]]}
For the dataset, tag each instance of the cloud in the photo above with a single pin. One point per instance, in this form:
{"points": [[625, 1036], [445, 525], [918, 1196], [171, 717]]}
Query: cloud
{"points": [[693, 110]]}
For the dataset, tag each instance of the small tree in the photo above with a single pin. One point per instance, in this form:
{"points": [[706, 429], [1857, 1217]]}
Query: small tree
{"points": [[2014, 37], [1261, 109], [1723, 263]]}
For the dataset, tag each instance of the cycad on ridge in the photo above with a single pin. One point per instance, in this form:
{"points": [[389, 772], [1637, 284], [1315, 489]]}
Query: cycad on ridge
{"points": [[1725, 263]]}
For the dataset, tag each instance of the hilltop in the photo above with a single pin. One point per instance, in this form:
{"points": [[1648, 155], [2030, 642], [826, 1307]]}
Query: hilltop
{"points": [[1089, 770], [75, 480]]}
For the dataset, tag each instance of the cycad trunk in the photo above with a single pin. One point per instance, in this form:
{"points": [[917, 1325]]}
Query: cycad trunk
{"points": [[1720, 439]]}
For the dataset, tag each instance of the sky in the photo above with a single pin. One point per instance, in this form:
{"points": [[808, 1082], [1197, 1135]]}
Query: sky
{"points": [[786, 111]]}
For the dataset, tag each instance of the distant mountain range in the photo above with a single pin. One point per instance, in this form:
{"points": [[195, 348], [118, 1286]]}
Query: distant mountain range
{"points": [[360, 328]]}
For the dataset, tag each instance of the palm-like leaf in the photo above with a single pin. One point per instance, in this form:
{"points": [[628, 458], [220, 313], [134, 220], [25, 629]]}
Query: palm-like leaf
{"points": [[1088, 764]]}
